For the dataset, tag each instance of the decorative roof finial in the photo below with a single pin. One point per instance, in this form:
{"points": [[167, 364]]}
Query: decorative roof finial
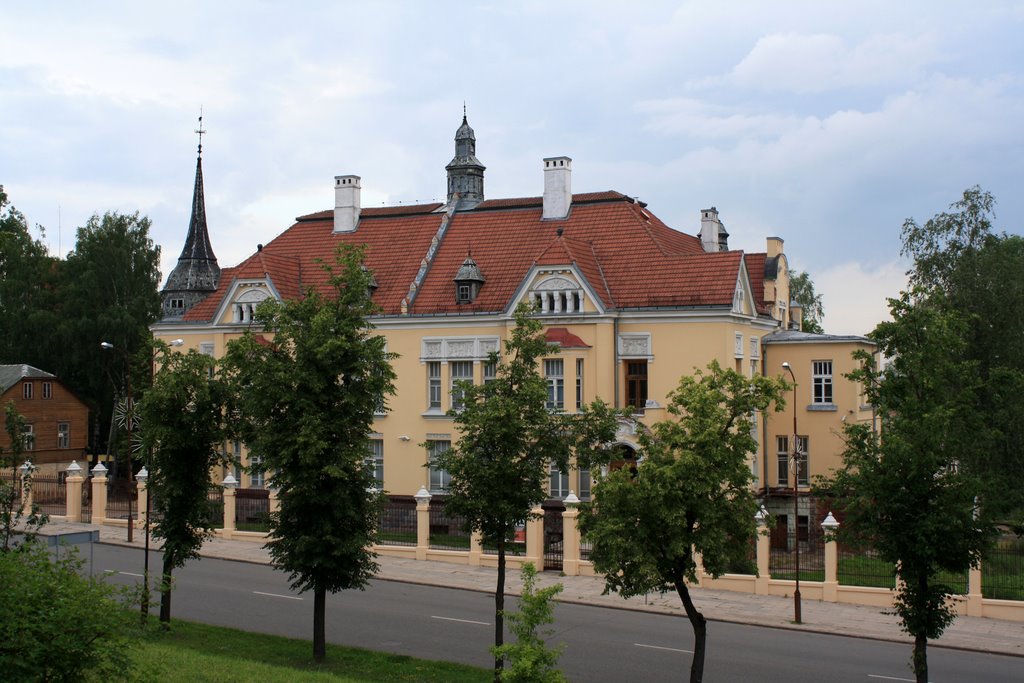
{"points": [[464, 111], [200, 131]]}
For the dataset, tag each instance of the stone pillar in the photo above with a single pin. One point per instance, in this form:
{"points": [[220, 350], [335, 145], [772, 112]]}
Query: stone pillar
{"points": [[571, 536], [99, 494], [73, 492], [830, 587], [422, 522], [535, 538], [764, 551], [975, 606], [142, 486], [476, 548], [229, 511], [26, 470]]}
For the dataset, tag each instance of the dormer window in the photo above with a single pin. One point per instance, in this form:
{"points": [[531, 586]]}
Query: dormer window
{"points": [[558, 295], [244, 308], [468, 282]]}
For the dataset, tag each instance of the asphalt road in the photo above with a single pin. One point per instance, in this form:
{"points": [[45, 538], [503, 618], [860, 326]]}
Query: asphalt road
{"points": [[601, 644]]}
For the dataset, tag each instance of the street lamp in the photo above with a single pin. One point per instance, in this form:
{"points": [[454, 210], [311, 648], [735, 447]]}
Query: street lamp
{"points": [[142, 476], [796, 499], [129, 422]]}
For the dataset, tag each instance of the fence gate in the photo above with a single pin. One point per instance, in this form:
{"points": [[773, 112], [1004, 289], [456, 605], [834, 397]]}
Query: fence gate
{"points": [[553, 546]]}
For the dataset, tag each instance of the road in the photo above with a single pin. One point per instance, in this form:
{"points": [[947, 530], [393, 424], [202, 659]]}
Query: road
{"points": [[601, 644]]}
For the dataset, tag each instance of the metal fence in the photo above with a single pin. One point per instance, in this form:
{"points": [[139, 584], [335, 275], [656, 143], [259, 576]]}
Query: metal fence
{"points": [[87, 501], [215, 507], [120, 495], [252, 510], [861, 566], [447, 532], [49, 493], [397, 525], [783, 558], [1002, 570]]}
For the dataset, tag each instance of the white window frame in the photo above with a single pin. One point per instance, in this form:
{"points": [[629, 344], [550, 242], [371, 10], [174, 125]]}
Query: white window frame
{"points": [[434, 385], [554, 374], [579, 384], [558, 482], [257, 477], [822, 385], [375, 461], [439, 479], [457, 396], [26, 391], [63, 435], [28, 437], [47, 390]]}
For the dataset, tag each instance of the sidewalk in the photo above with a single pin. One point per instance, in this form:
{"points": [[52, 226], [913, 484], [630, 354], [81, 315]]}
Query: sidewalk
{"points": [[968, 633]]}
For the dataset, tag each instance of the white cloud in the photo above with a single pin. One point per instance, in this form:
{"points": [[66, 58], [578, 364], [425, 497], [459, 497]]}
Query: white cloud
{"points": [[820, 62], [854, 295]]}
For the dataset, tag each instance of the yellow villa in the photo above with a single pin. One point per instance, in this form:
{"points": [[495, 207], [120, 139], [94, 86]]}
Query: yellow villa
{"points": [[632, 303]]}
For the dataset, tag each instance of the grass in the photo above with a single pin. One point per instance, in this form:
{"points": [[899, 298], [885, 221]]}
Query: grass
{"points": [[197, 652]]}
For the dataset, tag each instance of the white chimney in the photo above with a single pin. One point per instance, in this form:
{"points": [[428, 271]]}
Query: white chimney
{"points": [[557, 187], [713, 236], [346, 203]]}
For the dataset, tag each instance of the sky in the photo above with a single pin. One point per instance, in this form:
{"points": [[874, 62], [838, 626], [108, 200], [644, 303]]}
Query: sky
{"points": [[826, 124]]}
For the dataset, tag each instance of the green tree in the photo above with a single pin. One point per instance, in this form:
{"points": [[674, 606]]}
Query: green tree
{"points": [[530, 659], [108, 292], [27, 292], [306, 405], [801, 290], [691, 493], [12, 515], [58, 625], [962, 266], [910, 491], [508, 442], [183, 422]]}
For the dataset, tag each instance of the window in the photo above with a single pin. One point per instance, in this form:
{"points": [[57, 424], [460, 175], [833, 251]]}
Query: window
{"points": [[375, 461], [177, 305], [257, 475], [579, 384], [63, 435], [584, 492], [490, 372], [26, 390], [636, 384], [822, 374], [461, 370], [554, 372], [439, 479], [559, 484], [28, 437], [463, 294], [434, 384], [47, 390], [783, 454]]}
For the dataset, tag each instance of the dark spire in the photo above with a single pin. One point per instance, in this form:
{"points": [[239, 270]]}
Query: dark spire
{"points": [[197, 272], [465, 172]]}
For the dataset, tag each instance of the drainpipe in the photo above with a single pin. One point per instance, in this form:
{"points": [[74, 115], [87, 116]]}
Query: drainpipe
{"points": [[615, 361], [764, 426]]}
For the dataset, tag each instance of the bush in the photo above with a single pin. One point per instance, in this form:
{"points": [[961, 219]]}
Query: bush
{"points": [[57, 625], [530, 659]]}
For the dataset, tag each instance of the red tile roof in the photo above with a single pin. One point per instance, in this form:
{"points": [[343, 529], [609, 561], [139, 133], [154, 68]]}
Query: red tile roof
{"points": [[628, 256], [564, 338]]}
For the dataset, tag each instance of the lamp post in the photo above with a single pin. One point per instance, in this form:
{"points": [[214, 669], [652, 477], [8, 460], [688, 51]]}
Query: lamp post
{"points": [[796, 499], [129, 421], [142, 477]]}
